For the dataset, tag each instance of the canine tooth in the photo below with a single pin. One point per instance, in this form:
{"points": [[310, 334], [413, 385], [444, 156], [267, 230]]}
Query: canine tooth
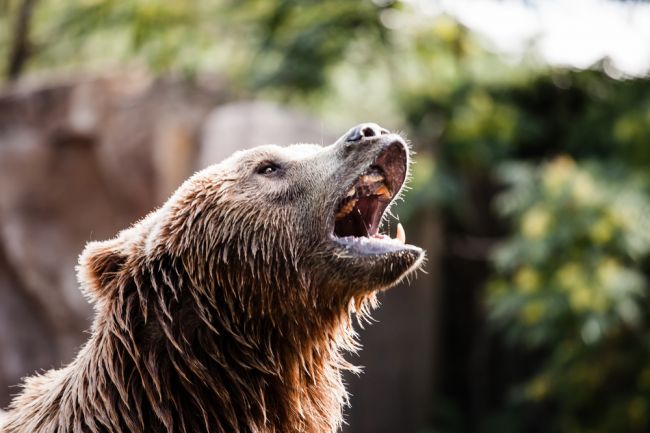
{"points": [[371, 178], [383, 191], [351, 192], [401, 234]]}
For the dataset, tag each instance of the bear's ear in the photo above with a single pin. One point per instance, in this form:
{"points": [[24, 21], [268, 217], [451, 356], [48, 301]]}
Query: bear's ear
{"points": [[99, 265]]}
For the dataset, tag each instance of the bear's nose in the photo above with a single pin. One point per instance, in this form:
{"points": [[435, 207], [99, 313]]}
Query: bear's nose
{"points": [[365, 130]]}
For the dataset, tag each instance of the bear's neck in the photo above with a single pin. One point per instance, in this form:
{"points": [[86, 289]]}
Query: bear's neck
{"points": [[166, 356], [113, 386], [234, 387], [203, 383]]}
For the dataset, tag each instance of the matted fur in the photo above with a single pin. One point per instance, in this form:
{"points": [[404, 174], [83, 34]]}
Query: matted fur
{"points": [[226, 310]]}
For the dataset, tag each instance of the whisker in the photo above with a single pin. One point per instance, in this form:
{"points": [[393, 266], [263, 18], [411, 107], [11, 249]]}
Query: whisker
{"points": [[363, 220]]}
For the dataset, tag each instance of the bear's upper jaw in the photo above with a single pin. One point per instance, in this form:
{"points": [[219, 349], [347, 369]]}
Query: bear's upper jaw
{"points": [[359, 212]]}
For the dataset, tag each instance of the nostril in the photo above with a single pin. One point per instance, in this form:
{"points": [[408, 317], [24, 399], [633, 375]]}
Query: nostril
{"points": [[365, 131], [368, 132]]}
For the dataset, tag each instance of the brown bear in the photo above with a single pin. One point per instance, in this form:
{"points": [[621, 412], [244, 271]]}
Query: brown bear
{"points": [[228, 309]]}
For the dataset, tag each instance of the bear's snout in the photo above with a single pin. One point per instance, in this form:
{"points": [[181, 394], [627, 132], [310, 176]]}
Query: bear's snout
{"points": [[365, 130]]}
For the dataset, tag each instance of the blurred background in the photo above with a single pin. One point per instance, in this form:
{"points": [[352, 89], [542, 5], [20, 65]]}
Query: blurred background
{"points": [[530, 192]]}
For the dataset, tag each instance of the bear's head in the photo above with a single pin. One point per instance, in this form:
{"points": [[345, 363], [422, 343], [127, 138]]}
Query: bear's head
{"points": [[281, 233], [238, 291]]}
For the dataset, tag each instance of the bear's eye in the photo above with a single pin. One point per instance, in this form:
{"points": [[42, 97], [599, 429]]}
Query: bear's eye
{"points": [[268, 168]]}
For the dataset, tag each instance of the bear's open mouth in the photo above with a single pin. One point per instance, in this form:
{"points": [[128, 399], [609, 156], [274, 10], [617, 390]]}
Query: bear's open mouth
{"points": [[359, 212]]}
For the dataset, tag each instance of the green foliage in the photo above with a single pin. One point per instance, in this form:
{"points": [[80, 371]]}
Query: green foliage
{"points": [[300, 41], [585, 114], [570, 283], [574, 255], [570, 280], [164, 36], [284, 45]]}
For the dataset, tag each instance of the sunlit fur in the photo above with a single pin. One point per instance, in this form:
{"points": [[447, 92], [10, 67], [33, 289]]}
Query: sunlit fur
{"points": [[226, 310]]}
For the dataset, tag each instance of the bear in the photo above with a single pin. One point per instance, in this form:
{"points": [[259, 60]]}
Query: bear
{"points": [[229, 308]]}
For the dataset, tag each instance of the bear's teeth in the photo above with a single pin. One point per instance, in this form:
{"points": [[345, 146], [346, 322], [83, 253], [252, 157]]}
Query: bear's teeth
{"points": [[371, 178], [351, 192], [346, 209], [382, 191], [401, 234]]}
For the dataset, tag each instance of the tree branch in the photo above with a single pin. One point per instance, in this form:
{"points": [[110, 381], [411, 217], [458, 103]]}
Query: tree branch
{"points": [[21, 46]]}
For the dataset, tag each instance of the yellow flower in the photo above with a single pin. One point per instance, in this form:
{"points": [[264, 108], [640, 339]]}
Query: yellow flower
{"points": [[532, 312], [557, 174], [623, 215], [581, 298], [446, 28], [603, 231], [584, 190], [535, 222], [582, 293], [538, 388], [527, 279], [609, 272]]}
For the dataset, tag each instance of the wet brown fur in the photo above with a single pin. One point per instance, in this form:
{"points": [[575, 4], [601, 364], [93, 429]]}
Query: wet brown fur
{"points": [[223, 311]]}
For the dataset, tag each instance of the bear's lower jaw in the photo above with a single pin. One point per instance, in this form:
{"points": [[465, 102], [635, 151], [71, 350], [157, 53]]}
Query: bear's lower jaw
{"points": [[370, 264], [371, 246]]}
